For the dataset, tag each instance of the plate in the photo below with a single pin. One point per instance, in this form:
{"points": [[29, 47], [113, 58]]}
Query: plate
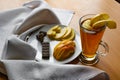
{"points": [[30, 37]]}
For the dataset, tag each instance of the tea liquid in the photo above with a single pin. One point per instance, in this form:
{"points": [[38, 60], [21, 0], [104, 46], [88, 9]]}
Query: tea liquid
{"points": [[90, 41]]}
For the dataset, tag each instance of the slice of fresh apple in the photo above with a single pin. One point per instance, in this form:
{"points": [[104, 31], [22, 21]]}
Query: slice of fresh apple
{"points": [[71, 36], [58, 29], [53, 31], [68, 32], [51, 34], [61, 34], [54, 28], [86, 24]]}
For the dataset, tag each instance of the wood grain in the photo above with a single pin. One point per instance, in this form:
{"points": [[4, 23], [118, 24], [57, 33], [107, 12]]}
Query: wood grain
{"points": [[109, 63]]}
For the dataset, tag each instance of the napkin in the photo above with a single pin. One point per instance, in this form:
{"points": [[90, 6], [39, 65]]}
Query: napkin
{"points": [[32, 70], [18, 57]]}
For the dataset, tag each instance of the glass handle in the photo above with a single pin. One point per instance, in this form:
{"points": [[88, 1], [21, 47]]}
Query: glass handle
{"points": [[106, 48]]}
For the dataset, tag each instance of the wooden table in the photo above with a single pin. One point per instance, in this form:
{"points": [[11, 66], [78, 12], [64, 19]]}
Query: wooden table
{"points": [[109, 63]]}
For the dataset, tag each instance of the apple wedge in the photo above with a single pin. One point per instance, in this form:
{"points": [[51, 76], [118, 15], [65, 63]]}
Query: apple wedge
{"points": [[53, 31], [68, 32], [71, 36], [61, 34], [87, 25]]}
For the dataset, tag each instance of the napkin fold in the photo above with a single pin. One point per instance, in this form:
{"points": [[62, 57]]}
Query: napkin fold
{"points": [[32, 70], [18, 57], [18, 49]]}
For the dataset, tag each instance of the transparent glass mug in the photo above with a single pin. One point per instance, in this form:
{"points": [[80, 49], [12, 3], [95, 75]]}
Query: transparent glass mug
{"points": [[90, 40]]}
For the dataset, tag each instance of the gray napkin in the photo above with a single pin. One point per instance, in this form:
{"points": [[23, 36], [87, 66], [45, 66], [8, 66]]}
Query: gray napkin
{"points": [[31, 70], [18, 57]]}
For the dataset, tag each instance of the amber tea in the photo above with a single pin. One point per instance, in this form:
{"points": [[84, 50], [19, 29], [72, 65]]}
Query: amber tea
{"points": [[90, 41], [92, 28]]}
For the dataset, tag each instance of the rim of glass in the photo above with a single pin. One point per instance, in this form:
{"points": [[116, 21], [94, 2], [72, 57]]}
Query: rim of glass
{"points": [[99, 29]]}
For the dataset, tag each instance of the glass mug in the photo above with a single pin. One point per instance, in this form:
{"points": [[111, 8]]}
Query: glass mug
{"points": [[90, 40]]}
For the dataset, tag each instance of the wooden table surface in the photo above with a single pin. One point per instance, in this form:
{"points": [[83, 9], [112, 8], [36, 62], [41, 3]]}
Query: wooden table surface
{"points": [[109, 63]]}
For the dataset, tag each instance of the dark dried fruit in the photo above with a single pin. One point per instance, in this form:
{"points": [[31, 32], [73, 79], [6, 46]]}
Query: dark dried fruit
{"points": [[40, 36]]}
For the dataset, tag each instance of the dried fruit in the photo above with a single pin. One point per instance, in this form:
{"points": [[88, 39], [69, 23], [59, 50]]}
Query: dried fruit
{"points": [[58, 33]]}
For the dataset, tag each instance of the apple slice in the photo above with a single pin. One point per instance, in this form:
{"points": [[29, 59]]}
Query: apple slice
{"points": [[55, 28], [98, 17], [86, 24], [53, 31], [71, 36], [61, 34], [68, 33], [109, 23]]}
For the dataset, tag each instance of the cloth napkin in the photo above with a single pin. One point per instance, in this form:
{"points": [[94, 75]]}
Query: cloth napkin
{"points": [[18, 57], [31, 70]]}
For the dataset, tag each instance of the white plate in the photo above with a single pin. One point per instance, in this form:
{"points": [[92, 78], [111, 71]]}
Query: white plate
{"points": [[30, 37]]}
